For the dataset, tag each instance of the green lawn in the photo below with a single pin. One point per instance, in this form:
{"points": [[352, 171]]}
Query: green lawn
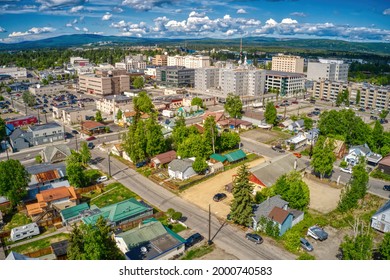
{"points": [[39, 244], [112, 193], [174, 227], [198, 252], [18, 219]]}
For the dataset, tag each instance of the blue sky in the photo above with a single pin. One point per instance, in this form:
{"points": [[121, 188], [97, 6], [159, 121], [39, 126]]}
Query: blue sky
{"points": [[358, 20]]}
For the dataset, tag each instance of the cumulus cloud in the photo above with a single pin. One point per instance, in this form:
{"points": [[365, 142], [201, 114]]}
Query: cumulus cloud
{"points": [[2, 30], [146, 5], [107, 16], [76, 9], [386, 12], [85, 29], [241, 11], [298, 14], [32, 31], [289, 21]]}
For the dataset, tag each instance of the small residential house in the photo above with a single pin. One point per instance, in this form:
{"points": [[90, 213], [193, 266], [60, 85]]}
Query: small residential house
{"points": [[296, 141], [296, 126], [57, 199], [120, 213], [74, 214], [312, 136], [381, 219], [127, 118], [218, 116], [233, 123], [163, 158], [117, 150], [384, 165], [150, 241], [189, 111], [57, 153], [276, 209], [235, 156], [217, 167], [266, 173], [92, 127], [181, 169], [20, 139], [355, 152], [340, 149], [214, 158], [45, 174]]}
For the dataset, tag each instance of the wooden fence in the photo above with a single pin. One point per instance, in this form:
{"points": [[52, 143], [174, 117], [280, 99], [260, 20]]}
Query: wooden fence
{"points": [[90, 188], [56, 221], [5, 234], [39, 253]]}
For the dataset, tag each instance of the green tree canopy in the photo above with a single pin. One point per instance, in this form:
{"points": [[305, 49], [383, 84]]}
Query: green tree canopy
{"points": [[384, 247], [199, 165], [181, 131], [28, 98], [119, 114], [228, 140], [270, 113], [155, 142], [323, 156], [3, 131], [98, 116], [241, 209], [358, 247], [85, 153], [143, 103], [76, 176], [193, 146], [233, 106], [292, 189], [93, 242], [210, 133], [197, 101], [357, 100], [138, 82], [308, 123], [14, 180]]}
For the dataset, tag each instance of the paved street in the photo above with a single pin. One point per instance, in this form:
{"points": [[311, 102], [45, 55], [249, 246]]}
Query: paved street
{"points": [[227, 237]]}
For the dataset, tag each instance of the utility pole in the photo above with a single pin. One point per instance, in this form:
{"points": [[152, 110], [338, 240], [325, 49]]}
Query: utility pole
{"points": [[109, 164], [45, 118], [39, 119], [209, 242]]}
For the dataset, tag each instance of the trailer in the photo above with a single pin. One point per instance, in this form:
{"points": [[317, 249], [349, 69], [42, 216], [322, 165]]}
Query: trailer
{"points": [[22, 121], [168, 113], [26, 231]]}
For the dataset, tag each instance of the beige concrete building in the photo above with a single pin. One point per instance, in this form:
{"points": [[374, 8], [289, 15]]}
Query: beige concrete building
{"points": [[189, 61], [207, 100], [105, 82], [287, 63], [70, 115], [371, 96], [14, 72], [49, 89], [111, 104], [160, 60]]}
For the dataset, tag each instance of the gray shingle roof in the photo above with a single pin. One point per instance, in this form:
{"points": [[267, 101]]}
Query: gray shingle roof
{"points": [[383, 209], [264, 208], [50, 151], [180, 165], [44, 126]]}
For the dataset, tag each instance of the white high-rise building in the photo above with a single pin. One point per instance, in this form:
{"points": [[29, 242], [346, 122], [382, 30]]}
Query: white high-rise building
{"points": [[287, 63], [207, 78], [326, 69], [287, 83], [197, 61]]}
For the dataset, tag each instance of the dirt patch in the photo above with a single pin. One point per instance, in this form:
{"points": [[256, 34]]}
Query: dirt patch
{"points": [[323, 198], [218, 254], [265, 137], [202, 194]]}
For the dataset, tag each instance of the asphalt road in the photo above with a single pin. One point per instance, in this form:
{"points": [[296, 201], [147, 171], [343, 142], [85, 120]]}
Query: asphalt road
{"points": [[228, 237]]}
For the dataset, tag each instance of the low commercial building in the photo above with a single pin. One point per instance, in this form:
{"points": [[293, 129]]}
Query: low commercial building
{"points": [[110, 104], [51, 89], [14, 72]]}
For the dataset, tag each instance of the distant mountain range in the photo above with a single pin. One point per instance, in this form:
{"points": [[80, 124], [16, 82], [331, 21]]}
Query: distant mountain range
{"points": [[81, 40]]}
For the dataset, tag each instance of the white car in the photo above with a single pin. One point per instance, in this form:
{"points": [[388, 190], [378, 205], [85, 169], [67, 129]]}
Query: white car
{"points": [[346, 170], [101, 179]]}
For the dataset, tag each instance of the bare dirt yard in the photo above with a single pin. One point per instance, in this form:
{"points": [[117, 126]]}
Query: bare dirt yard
{"points": [[265, 136], [202, 194], [323, 198]]}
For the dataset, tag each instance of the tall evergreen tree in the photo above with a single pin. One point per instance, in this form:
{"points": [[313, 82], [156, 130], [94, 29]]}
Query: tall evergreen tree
{"points": [[155, 143], [241, 210]]}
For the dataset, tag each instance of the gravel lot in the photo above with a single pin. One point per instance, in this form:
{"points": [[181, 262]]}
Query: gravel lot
{"points": [[323, 198]]}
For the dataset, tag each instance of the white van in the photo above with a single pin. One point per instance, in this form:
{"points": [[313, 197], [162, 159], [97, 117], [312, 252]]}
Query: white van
{"points": [[29, 230], [101, 179]]}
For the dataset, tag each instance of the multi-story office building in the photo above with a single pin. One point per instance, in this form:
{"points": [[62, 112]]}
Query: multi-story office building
{"points": [[198, 61], [287, 63], [14, 72], [207, 78], [108, 104], [175, 76], [233, 81], [105, 82], [132, 62], [160, 60], [49, 89], [326, 69], [371, 96], [286, 83], [79, 61]]}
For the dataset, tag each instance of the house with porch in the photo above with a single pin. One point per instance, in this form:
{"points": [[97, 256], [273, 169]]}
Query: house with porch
{"points": [[381, 219], [163, 158], [92, 127], [356, 152], [296, 141], [181, 169], [150, 241]]}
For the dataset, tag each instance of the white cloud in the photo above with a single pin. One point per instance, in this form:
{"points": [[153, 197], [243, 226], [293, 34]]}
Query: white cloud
{"points": [[58, 4], [2, 30], [85, 29], [32, 31], [76, 28], [241, 11], [107, 16], [298, 14], [146, 5], [120, 24], [386, 12], [289, 21], [68, 25], [117, 10], [76, 9], [271, 22]]}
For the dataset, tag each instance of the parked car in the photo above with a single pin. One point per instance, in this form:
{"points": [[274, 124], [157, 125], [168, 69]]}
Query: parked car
{"points": [[298, 155], [75, 131], [294, 102], [254, 238], [219, 196], [193, 239], [141, 163], [386, 187], [306, 245], [90, 138], [91, 145], [317, 233], [101, 179], [278, 149], [346, 170]]}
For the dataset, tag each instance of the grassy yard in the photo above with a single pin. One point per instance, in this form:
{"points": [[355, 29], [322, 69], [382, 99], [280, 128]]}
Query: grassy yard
{"points": [[111, 194], [18, 219], [39, 244], [174, 227], [198, 252]]}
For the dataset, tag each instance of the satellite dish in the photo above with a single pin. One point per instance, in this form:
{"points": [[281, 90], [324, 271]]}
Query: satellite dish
{"points": [[38, 85]]}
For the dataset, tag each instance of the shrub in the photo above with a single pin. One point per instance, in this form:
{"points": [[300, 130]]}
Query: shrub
{"points": [[177, 216], [343, 164]]}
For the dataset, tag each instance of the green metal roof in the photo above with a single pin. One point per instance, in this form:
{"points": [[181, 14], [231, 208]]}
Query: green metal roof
{"points": [[149, 230], [218, 157], [74, 211], [119, 211], [235, 156]]}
